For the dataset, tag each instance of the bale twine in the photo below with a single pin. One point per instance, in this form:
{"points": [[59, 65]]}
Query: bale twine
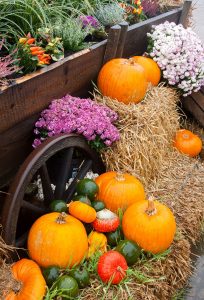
{"points": [[146, 133]]}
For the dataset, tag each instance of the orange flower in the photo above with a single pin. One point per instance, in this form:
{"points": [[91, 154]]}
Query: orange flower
{"points": [[44, 59]]}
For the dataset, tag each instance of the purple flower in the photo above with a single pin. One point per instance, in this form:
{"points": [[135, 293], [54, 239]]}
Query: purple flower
{"points": [[89, 21], [75, 115]]}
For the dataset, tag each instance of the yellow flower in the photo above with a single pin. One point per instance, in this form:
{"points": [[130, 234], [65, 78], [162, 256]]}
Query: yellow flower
{"points": [[139, 11], [134, 11]]}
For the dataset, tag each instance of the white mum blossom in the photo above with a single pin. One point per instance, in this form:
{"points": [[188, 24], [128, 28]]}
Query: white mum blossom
{"points": [[180, 54]]}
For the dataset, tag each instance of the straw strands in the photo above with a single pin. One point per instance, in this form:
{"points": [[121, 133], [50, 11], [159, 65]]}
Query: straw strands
{"points": [[146, 133]]}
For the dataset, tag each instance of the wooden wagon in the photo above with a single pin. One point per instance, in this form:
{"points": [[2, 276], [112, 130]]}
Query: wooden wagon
{"points": [[20, 106]]}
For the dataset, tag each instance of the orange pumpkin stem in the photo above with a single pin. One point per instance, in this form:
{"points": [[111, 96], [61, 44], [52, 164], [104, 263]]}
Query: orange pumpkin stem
{"points": [[119, 176], [17, 286], [151, 209], [61, 218]]}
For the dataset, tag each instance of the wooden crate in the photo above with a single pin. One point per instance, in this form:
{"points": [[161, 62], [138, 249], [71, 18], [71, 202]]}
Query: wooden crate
{"points": [[194, 104], [21, 103]]}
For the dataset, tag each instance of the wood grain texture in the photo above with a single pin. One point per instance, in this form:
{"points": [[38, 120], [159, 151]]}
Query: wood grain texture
{"points": [[32, 93], [112, 43], [185, 12], [122, 39], [194, 109]]}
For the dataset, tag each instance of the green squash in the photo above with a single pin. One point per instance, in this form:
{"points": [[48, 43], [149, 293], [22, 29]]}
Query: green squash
{"points": [[129, 250], [98, 205], [87, 187], [58, 206], [51, 274], [114, 237], [81, 275], [69, 286], [82, 198]]}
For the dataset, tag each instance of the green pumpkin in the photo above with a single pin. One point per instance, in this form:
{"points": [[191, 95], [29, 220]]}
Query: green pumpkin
{"points": [[98, 205], [81, 275], [69, 286], [87, 187], [58, 206], [129, 250], [114, 237], [82, 198], [51, 274]]}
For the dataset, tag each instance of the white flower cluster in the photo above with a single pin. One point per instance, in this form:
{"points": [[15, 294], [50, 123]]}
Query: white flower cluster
{"points": [[180, 54]]}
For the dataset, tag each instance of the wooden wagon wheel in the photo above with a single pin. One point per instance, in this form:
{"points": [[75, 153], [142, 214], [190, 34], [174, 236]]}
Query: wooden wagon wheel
{"points": [[39, 166]]}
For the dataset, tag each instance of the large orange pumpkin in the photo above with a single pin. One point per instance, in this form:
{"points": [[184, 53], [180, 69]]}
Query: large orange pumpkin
{"points": [[188, 143], [57, 239], [118, 190], [32, 285], [149, 224], [122, 79], [151, 68]]}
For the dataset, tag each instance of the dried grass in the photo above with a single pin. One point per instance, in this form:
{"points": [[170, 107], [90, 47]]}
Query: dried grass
{"points": [[146, 133], [180, 186], [162, 276]]}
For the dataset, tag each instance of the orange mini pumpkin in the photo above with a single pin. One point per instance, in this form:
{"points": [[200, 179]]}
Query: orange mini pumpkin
{"points": [[149, 224], [57, 240], [32, 285], [187, 142], [82, 211], [123, 79], [118, 190], [151, 68]]}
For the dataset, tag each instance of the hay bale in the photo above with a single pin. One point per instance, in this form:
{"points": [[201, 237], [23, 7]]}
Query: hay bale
{"points": [[180, 186], [146, 133]]}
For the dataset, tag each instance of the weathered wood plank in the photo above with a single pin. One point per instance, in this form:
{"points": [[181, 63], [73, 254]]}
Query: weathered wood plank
{"points": [[15, 145], [122, 39], [185, 12], [32, 93], [194, 109], [199, 99], [136, 39], [112, 43]]}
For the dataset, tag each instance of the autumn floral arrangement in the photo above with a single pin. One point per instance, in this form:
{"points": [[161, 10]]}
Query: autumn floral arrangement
{"points": [[133, 11], [180, 54], [82, 116]]}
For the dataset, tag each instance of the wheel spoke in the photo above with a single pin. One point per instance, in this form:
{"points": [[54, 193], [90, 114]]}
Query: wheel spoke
{"points": [[64, 173], [84, 168], [34, 208], [21, 241], [46, 184]]}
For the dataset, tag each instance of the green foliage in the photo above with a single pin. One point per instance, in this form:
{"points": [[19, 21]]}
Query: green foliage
{"points": [[110, 14], [72, 33]]}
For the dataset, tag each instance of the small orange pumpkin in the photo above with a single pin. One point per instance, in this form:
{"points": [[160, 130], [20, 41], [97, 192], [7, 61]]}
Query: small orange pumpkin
{"points": [[122, 79], [118, 190], [82, 211], [187, 142], [151, 68], [32, 285], [57, 240], [149, 224]]}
